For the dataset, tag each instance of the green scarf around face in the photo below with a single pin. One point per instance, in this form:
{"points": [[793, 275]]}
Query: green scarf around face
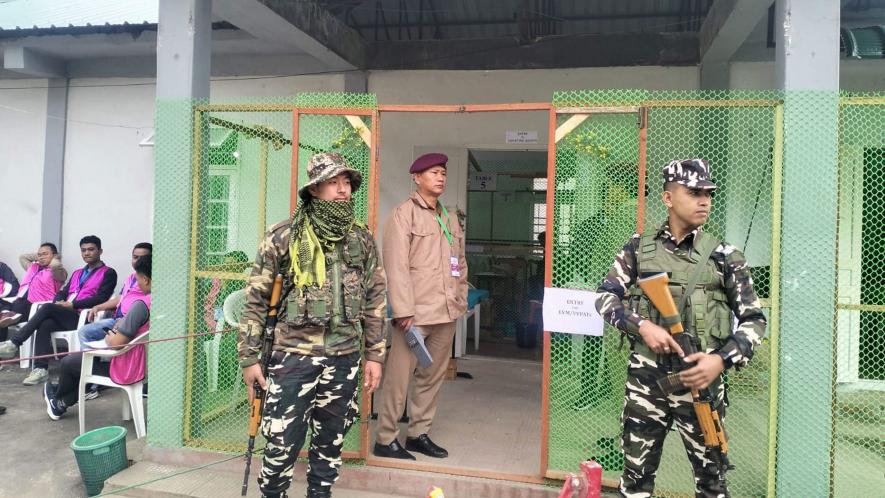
{"points": [[316, 225]]}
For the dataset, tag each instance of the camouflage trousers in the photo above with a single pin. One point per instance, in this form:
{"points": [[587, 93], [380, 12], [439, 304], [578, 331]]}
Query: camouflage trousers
{"points": [[647, 418], [318, 392]]}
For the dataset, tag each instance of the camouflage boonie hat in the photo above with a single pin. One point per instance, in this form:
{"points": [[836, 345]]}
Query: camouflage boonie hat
{"points": [[325, 166], [693, 173]]}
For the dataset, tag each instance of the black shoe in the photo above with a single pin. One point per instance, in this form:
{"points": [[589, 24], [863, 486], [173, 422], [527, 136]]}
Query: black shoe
{"points": [[315, 493], [423, 444], [392, 450]]}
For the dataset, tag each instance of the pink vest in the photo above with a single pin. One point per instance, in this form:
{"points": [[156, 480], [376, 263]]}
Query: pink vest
{"points": [[90, 286], [39, 284], [125, 305], [130, 293], [131, 366]]}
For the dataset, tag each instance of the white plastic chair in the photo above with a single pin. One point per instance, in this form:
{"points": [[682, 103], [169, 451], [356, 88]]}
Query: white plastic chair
{"points": [[231, 310], [69, 336], [133, 408], [27, 349]]}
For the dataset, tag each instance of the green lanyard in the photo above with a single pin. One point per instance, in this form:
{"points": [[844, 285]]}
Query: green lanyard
{"points": [[442, 225]]}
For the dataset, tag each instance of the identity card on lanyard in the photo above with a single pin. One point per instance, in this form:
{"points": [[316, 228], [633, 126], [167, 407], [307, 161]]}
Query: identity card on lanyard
{"points": [[453, 260]]}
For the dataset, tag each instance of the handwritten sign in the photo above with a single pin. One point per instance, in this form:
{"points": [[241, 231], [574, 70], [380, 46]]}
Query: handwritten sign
{"points": [[571, 311]]}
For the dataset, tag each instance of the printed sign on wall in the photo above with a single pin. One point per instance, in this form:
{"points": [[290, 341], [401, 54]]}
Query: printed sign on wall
{"points": [[571, 311], [483, 181], [521, 137]]}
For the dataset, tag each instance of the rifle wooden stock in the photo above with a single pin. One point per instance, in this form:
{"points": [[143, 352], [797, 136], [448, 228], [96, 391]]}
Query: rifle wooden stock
{"points": [[655, 287], [658, 292], [257, 404]]}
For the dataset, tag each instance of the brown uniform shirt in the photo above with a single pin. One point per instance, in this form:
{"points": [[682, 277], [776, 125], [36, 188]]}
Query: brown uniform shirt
{"points": [[417, 258]]}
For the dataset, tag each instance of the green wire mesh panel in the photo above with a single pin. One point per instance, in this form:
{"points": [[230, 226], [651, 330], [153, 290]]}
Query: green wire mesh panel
{"points": [[243, 186], [859, 411], [595, 212]]}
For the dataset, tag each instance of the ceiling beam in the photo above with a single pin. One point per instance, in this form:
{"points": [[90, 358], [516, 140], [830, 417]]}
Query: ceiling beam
{"points": [[24, 60], [727, 25], [304, 26], [649, 49]]}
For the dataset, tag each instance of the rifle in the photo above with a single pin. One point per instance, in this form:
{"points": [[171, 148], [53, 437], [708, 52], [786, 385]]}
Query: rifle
{"points": [[658, 292], [257, 407]]}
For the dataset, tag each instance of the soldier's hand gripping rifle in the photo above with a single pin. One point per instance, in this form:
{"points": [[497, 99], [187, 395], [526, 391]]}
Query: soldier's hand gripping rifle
{"points": [[658, 292], [257, 405]]}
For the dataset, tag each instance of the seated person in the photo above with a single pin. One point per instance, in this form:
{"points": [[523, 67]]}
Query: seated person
{"points": [[44, 276], [8, 281], [130, 292], [135, 321], [88, 286], [8, 287]]}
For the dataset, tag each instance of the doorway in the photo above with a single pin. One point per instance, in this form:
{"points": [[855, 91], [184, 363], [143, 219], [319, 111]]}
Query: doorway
{"points": [[506, 227], [490, 412]]}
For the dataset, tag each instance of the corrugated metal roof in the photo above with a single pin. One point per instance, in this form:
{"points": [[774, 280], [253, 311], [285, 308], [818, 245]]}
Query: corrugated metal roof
{"points": [[47, 14]]}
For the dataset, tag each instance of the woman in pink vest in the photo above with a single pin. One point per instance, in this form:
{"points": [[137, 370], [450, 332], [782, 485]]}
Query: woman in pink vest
{"points": [[88, 286], [44, 276], [127, 368]]}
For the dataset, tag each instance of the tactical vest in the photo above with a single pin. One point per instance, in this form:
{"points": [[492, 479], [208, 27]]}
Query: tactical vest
{"points": [[706, 314], [341, 298]]}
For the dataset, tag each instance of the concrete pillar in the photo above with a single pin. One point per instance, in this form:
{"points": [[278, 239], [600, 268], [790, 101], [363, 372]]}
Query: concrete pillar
{"points": [[356, 81], [54, 161], [715, 75], [183, 70], [807, 69]]}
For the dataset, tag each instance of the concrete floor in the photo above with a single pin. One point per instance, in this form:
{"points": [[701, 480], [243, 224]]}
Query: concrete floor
{"points": [[37, 460], [490, 422]]}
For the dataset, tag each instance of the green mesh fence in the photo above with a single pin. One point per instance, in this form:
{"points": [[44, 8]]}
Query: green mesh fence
{"points": [[859, 409], [820, 276], [596, 206], [241, 184]]}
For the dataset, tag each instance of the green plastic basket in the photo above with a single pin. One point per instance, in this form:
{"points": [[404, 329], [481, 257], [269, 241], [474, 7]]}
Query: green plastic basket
{"points": [[100, 454]]}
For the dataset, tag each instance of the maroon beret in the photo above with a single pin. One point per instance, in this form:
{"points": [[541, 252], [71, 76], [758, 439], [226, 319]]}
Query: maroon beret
{"points": [[428, 161]]}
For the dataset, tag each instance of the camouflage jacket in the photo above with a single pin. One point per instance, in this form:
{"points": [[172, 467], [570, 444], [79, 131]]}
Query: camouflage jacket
{"points": [[317, 321], [733, 273]]}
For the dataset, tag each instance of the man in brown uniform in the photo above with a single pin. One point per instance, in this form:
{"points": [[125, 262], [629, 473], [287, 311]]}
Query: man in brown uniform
{"points": [[427, 288]]}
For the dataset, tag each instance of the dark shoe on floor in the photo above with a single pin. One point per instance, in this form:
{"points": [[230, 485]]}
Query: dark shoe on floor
{"points": [[423, 444], [392, 450], [2, 410], [316, 493], [55, 407]]}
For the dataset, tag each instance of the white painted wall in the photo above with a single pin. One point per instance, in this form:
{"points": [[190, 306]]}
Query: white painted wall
{"points": [[238, 88], [854, 75], [109, 178], [23, 125]]}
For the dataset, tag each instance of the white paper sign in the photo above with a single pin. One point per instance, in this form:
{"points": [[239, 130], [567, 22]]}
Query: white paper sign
{"points": [[521, 137], [483, 181], [571, 311]]}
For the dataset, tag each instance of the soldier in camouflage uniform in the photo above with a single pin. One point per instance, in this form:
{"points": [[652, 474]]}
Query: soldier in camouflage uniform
{"points": [[725, 288], [334, 297]]}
